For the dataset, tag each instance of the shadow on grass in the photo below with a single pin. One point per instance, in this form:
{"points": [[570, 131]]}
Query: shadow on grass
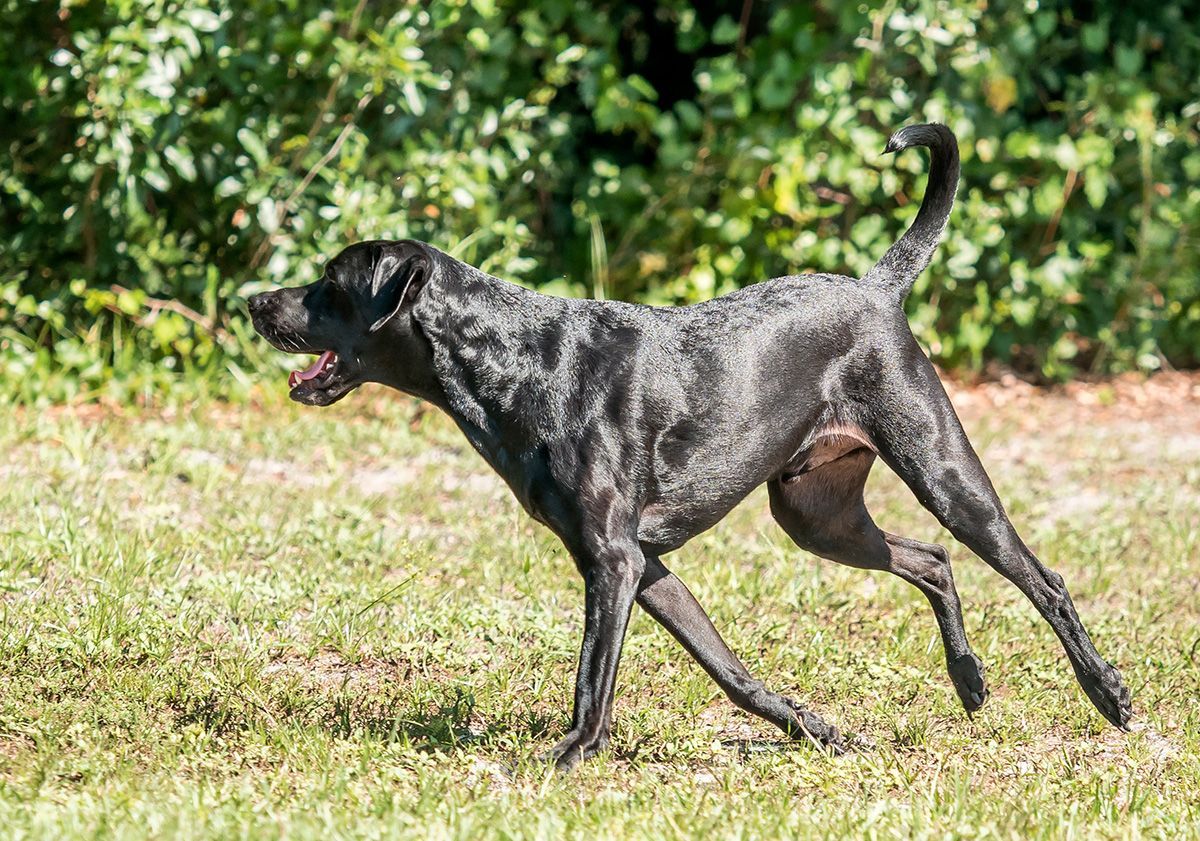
{"points": [[437, 728], [433, 724]]}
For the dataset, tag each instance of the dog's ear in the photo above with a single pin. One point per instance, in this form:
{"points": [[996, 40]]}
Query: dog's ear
{"points": [[397, 281]]}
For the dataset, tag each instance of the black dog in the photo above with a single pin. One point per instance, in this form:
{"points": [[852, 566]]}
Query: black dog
{"points": [[629, 429]]}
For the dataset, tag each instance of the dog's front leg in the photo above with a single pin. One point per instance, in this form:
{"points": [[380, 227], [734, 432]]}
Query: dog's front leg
{"points": [[611, 574]]}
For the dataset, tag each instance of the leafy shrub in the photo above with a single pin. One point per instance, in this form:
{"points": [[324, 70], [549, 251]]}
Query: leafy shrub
{"points": [[162, 160]]}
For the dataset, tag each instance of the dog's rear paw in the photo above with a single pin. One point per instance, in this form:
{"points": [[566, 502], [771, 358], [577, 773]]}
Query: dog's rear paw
{"points": [[1111, 697], [967, 674], [813, 729]]}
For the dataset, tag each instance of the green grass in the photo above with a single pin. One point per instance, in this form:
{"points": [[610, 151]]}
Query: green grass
{"points": [[274, 622]]}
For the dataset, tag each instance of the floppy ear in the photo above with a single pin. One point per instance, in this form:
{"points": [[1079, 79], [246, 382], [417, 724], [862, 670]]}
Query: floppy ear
{"points": [[401, 282]]}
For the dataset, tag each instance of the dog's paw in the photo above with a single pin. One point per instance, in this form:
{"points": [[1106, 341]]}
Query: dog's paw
{"points": [[574, 748], [967, 674], [1111, 697], [811, 728]]}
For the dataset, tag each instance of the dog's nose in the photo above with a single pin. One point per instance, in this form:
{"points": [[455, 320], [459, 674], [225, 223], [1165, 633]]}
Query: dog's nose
{"points": [[257, 303]]}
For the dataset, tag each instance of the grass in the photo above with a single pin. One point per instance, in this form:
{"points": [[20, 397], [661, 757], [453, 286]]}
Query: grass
{"points": [[272, 622]]}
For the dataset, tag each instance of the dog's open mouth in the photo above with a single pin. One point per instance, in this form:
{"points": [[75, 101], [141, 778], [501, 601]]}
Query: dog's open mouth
{"points": [[326, 381], [317, 373]]}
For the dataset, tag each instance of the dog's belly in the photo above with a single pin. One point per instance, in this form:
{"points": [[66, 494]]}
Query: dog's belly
{"points": [[685, 511], [664, 527]]}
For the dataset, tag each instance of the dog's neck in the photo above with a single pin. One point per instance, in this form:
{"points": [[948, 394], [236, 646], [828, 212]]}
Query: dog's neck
{"points": [[479, 332]]}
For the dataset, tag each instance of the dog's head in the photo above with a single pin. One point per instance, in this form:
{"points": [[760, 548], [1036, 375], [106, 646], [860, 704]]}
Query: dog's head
{"points": [[350, 318]]}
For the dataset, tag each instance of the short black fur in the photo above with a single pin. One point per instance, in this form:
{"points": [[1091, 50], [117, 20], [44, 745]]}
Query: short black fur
{"points": [[630, 429]]}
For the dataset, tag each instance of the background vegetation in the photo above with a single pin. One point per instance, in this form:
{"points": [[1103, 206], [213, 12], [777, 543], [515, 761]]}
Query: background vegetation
{"points": [[162, 160]]}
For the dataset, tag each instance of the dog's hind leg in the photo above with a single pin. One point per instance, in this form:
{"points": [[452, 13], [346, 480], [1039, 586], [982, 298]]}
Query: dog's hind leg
{"points": [[924, 443], [665, 597], [822, 510]]}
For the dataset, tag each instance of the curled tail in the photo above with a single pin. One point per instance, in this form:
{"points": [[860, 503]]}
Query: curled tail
{"points": [[898, 269]]}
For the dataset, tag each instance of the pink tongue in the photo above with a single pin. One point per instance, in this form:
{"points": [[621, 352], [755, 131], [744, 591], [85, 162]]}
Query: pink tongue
{"points": [[297, 377]]}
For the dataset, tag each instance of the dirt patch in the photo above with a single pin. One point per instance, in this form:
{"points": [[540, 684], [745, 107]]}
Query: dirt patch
{"points": [[1109, 747], [1166, 402], [329, 670], [14, 746]]}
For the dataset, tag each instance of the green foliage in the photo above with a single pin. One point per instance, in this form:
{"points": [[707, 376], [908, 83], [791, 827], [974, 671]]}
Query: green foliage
{"points": [[163, 160]]}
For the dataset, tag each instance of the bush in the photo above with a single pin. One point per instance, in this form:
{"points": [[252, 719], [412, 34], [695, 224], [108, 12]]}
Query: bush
{"points": [[164, 160]]}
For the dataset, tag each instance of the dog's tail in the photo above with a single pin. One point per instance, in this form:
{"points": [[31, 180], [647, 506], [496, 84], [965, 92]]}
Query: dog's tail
{"points": [[910, 254]]}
